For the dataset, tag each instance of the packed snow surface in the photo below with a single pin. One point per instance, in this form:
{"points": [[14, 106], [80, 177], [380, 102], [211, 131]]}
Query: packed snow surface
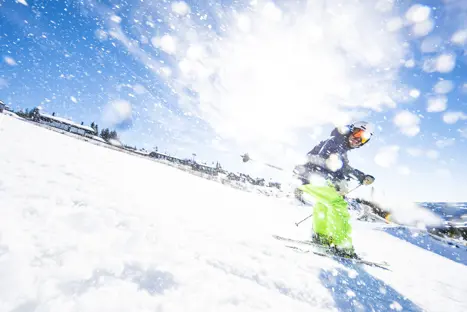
{"points": [[86, 228]]}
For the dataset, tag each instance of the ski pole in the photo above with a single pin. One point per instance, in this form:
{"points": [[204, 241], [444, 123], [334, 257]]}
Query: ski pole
{"points": [[247, 158], [273, 166], [298, 223], [353, 189]]}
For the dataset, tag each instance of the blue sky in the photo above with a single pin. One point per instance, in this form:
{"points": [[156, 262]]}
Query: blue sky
{"points": [[220, 79]]}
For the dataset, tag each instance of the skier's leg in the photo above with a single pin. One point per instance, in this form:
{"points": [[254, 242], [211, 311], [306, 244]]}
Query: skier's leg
{"points": [[339, 222], [330, 215], [320, 223]]}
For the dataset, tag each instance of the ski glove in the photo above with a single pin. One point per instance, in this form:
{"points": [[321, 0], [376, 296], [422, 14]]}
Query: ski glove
{"points": [[368, 179]]}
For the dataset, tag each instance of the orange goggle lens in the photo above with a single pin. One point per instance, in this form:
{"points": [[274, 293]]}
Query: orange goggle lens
{"points": [[360, 134]]}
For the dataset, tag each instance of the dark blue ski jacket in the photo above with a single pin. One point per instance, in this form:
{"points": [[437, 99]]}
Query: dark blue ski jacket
{"points": [[336, 144]]}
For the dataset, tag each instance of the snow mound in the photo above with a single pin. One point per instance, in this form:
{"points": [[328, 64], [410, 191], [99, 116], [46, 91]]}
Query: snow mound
{"points": [[86, 228]]}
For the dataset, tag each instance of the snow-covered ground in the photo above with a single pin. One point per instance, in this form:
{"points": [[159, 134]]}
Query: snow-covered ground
{"points": [[86, 228]]}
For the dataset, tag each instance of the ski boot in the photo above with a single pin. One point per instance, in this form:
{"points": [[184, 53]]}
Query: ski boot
{"points": [[345, 252], [322, 240], [327, 242]]}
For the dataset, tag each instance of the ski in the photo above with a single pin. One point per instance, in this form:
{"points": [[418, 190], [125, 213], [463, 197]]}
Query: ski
{"points": [[326, 252], [382, 265], [303, 242]]}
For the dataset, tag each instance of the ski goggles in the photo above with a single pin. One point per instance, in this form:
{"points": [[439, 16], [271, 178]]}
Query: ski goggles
{"points": [[362, 135]]}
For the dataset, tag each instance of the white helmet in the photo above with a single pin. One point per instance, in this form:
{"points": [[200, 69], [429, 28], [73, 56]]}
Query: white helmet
{"points": [[363, 130]]}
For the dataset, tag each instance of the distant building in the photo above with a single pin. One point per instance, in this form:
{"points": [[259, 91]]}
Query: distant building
{"points": [[205, 169], [2, 106], [62, 123], [232, 176], [188, 162], [158, 155]]}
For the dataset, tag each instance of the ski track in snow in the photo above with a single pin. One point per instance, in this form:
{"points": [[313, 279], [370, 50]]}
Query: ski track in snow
{"points": [[85, 228]]}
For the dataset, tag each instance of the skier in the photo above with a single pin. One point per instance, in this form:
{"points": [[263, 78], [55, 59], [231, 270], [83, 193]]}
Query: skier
{"points": [[325, 177]]}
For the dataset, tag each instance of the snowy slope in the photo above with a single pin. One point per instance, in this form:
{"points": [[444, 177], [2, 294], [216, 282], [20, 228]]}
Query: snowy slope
{"points": [[85, 228]]}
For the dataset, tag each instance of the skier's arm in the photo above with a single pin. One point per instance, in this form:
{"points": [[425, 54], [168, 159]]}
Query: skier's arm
{"points": [[350, 171], [363, 178]]}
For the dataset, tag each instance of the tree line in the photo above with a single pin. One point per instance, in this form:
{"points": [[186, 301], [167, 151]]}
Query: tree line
{"points": [[106, 133]]}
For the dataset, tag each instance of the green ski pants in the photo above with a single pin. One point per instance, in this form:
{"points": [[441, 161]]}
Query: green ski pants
{"points": [[330, 215]]}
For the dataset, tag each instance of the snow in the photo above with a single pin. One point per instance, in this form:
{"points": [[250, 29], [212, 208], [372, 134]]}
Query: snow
{"points": [[10, 61], [274, 62], [5, 112], [423, 28], [117, 112], [445, 63], [86, 228], [443, 86], [453, 117], [418, 13], [414, 93], [394, 24], [101, 34], [409, 63], [116, 19], [23, 2], [459, 37], [166, 43], [387, 156], [384, 5], [437, 104], [407, 122], [98, 138], [139, 89], [115, 142], [180, 8]]}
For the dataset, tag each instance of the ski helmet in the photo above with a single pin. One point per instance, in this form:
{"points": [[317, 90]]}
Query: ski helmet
{"points": [[362, 130]]}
